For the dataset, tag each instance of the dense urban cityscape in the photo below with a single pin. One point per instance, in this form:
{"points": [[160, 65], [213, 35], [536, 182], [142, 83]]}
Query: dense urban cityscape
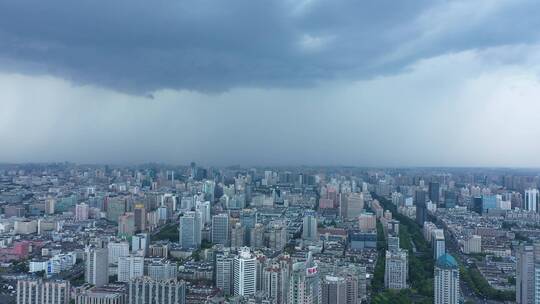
{"points": [[92, 234]]}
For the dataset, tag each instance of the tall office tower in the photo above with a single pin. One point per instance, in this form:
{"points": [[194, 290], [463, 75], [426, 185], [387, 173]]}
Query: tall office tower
{"points": [[117, 249], [245, 273], [446, 283], [396, 269], [130, 267], [237, 236], [525, 275], [148, 291], [126, 224], [421, 209], [204, 209], [353, 287], [140, 243], [309, 231], [190, 230], [352, 205], [81, 212], [450, 199], [110, 294], [224, 272], [116, 206], [256, 239], [532, 197], [277, 236], [49, 205], [220, 229], [160, 269], [433, 190], [305, 285], [97, 266], [438, 242], [248, 218], [38, 291], [334, 290], [140, 217], [393, 243]]}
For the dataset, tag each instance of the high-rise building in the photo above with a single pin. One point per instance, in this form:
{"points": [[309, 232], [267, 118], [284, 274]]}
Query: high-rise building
{"points": [[117, 249], [277, 236], [38, 291], [446, 283], [367, 221], [190, 230], [393, 243], [50, 206], [140, 218], [532, 198], [148, 291], [237, 235], [396, 269], [245, 273], [224, 272], [220, 229], [126, 224], [472, 244], [305, 285], [130, 267], [438, 242], [434, 192], [81, 212], [140, 243], [525, 280], [334, 290], [309, 231], [421, 208], [275, 280], [352, 205], [97, 266]]}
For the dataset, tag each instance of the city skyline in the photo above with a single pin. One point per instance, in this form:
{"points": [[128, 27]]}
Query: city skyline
{"points": [[306, 83]]}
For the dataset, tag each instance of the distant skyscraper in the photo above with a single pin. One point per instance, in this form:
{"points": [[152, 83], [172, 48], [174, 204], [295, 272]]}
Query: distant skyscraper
{"points": [[97, 266], [334, 290], [396, 269], [532, 197], [50, 206], [140, 218], [38, 291], [434, 192], [140, 243], [309, 231], [237, 235], [525, 275], [81, 212], [421, 209], [446, 283], [220, 229], [245, 273], [190, 230], [450, 199], [352, 205]]}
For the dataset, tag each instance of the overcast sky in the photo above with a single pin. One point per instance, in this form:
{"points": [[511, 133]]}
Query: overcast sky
{"points": [[285, 82]]}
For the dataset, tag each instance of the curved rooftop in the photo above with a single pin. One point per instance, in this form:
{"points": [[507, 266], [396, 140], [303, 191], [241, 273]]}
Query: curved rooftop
{"points": [[446, 261]]}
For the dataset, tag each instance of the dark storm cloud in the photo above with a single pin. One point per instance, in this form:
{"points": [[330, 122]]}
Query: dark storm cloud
{"points": [[142, 46]]}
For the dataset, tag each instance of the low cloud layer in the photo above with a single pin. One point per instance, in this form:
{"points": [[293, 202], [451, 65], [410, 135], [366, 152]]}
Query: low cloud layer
{"points": [[138, 46], [385, 83]]}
